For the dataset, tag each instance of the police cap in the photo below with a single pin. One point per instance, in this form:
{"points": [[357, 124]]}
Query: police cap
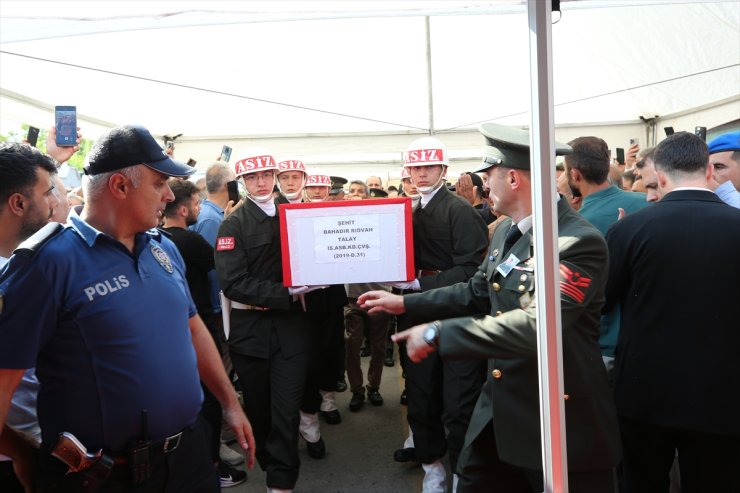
{"points": [[130, 145], [509, 147]]}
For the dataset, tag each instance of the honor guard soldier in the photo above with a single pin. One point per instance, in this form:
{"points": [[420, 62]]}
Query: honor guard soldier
{"points": [[268, 329], [291, 179], [102, 308], [409, 189], [450, 239], [502, 444], [326, 312]]}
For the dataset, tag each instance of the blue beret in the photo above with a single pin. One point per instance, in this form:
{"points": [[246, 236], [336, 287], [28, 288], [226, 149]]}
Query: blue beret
{"points": [[725, 142]]}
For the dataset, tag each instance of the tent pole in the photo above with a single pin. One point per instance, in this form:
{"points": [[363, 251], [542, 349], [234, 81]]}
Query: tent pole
{"points": [[430, 93], [547, 277]]}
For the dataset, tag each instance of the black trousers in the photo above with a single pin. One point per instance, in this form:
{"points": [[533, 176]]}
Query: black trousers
{"points": [[482, 471], [424, 384], [187, 469], [8, 481], [707, 462], [273, 392]]}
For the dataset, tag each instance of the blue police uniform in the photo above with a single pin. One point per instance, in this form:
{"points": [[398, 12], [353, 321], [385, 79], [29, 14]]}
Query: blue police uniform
{"points": [[86, 311]]}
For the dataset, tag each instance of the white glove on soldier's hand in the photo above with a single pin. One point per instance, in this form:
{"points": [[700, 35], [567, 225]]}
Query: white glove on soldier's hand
{"points": [[408, 285], [304, 289]]}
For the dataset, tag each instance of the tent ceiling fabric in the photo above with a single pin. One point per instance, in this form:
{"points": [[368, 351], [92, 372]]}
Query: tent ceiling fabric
{"points": [[252, 68]]}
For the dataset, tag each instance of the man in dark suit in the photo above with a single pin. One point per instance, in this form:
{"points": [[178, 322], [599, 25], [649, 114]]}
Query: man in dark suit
{"points": [[677, 370], [504, 454]]}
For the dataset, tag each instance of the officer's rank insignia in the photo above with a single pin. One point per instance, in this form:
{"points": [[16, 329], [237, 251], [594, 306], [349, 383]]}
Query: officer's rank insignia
{"points": [[573, 283], [161, 257]]}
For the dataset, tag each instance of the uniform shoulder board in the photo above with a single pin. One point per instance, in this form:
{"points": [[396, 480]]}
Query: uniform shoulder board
{"points": [[37, 240], [23, 254]]}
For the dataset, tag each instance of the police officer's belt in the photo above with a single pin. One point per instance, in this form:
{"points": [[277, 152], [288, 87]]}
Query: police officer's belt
{"points": [[164, 447], [242, 306]]}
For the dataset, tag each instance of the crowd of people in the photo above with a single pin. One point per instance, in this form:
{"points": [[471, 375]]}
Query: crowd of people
{"points": [[157, 313]]}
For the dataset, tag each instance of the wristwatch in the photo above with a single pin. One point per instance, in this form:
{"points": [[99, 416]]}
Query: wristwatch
{"points": [[431, 334]]}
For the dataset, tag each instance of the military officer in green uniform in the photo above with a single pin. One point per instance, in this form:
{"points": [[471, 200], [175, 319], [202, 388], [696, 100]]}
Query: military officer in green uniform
{"points": [[502, 449]]}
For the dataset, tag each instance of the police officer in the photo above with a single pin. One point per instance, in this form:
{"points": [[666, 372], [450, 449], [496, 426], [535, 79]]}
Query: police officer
{"points": [[450, 239], [102, 308], [502, 444], [269, 331]]}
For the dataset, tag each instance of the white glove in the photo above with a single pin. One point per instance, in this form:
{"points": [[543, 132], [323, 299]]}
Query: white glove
{"points": [[304, 289], [408, 285]]}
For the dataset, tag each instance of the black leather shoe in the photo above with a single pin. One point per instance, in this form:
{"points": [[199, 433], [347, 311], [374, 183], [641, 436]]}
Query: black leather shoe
{"points": [[316, 450], [374, 397], [331, 417], [389, 360], [358, 398], [341, 385], [404, 399], [405, 455], [365, 351]]}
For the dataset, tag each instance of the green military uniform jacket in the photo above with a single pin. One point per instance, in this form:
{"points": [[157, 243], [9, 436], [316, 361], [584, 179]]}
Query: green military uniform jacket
{"points": [[505, 332]]}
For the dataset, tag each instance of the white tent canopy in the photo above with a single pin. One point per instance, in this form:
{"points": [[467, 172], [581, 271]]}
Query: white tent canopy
{"points": [[347, 81]]}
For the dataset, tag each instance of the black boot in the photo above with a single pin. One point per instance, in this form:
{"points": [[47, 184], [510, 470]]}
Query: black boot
{"points": [[358, 398]]}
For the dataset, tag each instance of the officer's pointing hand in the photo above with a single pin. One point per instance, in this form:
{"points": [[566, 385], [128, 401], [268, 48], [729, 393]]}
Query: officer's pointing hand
{"points": [[416, 347], [237, 420], [381, 301]]}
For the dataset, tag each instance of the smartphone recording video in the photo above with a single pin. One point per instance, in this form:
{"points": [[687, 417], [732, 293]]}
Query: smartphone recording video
{"points": [[620, 155], [233, 188], [33, 136], [65, 122], [225, 154]]}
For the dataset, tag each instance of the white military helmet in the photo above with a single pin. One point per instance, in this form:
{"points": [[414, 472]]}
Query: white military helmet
{"points": [[317, 178], [253, 160], [426, 151], [405, 175], [291, 165]]}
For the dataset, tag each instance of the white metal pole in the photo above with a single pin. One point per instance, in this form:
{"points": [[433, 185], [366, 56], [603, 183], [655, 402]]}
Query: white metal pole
{"points": [[430, 91], [544, 200]]}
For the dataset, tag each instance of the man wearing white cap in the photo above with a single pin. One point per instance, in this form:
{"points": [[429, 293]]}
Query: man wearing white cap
{"points": [[269, 333]]}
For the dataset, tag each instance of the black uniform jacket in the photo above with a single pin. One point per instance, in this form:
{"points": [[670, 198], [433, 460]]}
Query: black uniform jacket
{"points": [[249, 267], [505, 332], [676, 272], [449, 237]]}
